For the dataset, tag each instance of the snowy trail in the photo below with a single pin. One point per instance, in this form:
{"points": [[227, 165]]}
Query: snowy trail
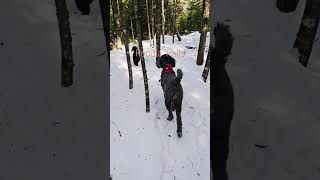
{"points": [[169, 157]]}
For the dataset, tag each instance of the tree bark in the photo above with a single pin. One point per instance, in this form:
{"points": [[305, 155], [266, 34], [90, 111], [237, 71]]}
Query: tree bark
{"points": [[163, 21], [116, 15], [206, 68], [158, 31], [307, 31], [144, 71], [66, 43], [105, 22], [125, 18], [204, 30]]}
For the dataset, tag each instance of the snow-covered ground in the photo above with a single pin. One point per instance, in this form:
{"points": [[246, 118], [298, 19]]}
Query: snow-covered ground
{"points": [[46, 131], [277, 100], [144, 145]]}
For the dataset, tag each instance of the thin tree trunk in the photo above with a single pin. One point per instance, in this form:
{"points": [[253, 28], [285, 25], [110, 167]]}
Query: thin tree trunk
{"points": [[206, 67], [152, 22], [149, 28], [204, 30], [126, 45], [132, 32], [166, 4], [307, 31], [125, 18], [158, 31], [105, 23], [173, 19], [66, 43], [116, 15], [163, 21], [144, 71]]}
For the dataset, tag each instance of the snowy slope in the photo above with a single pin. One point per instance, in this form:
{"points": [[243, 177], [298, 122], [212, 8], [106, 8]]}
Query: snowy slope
{"points": [[148, 147], [277, 101]]}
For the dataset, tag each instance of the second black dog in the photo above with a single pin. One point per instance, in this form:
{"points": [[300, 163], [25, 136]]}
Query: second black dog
{"points": [[84, 6], [172, 89], [135, 55]]}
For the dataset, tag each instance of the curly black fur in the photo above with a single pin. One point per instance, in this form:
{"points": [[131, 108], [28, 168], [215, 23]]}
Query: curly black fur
{"points": [[135, 55], [222, 100], [173, 92], [167, 59], [84, 6]]}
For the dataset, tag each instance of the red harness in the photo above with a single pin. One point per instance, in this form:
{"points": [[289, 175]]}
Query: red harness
{"points": [[166, 69]]}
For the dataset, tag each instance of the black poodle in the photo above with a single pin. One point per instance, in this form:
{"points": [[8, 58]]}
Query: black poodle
{"points": [[172, 89], [84, 6], [135, 55], [222, 100]]}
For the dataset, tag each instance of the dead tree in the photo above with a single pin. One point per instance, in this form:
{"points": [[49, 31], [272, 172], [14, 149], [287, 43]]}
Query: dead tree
{"points": [[144, 71], [66, 43]]}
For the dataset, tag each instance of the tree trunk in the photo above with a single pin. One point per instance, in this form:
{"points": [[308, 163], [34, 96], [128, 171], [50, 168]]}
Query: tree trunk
{"points": [[125, 18], [206, 67], [105, 23], [132, 31], [126, 45], [152, 22], [149, 28], [158, 31], [307, 31], [173, 19], [163, 21], [204, 30], [66, 43], [144, 71], [287, 6], [166, 4], [116, 15]]}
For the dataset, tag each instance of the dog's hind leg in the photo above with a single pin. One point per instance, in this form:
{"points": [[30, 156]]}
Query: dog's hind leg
{"points": [[168, 106], [179, 121]]}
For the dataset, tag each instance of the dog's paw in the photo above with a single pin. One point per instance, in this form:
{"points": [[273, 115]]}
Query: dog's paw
{"points": [[179, 134], [170, 117]]}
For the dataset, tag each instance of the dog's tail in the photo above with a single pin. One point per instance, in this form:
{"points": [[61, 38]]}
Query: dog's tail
{"points": [[179, 75], [223, 43]]}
